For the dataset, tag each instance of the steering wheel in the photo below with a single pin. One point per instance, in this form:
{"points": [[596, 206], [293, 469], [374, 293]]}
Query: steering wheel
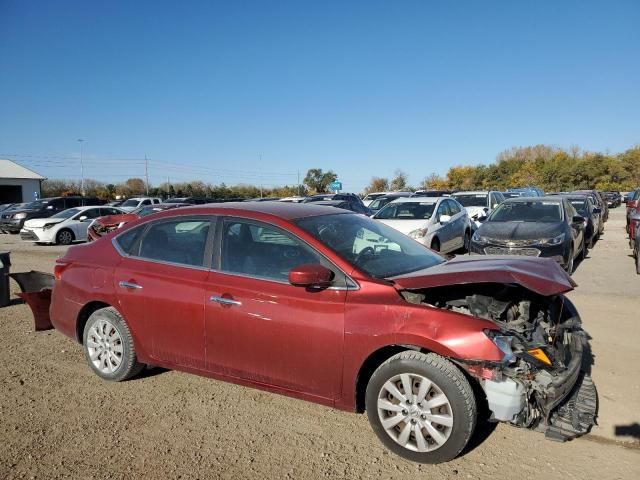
{"points": [[365, 254]]}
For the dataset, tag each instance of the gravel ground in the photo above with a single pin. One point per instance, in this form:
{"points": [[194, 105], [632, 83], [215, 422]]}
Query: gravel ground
{"points": [[58, 420]]}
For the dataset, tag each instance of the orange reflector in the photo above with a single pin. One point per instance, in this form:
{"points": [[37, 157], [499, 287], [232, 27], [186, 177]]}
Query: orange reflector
{"points": [[540, 355]]}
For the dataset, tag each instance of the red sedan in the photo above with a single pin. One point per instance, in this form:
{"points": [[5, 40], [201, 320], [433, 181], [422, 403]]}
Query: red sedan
{"points": [[103, 225], [335, 308]]}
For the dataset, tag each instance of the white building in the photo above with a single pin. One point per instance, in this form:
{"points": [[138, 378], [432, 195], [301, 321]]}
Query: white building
{"points": [[18, 184]]}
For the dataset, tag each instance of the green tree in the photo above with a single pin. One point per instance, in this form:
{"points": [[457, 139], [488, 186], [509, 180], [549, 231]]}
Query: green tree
{"points": [[318, 181], [399, 181], [377, 184]]}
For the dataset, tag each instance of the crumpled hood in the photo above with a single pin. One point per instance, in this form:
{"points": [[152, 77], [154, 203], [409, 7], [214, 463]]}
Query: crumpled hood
{"points": [[520, 230], [540, 275], [110, 220], [40, 222]]}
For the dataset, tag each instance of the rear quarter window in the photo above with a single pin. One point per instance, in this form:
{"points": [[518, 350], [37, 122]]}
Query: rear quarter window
{"points": [[128, 241]]}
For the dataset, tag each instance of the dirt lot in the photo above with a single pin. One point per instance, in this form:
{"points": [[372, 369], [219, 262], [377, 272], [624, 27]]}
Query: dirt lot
{"points": [[58, 420]]}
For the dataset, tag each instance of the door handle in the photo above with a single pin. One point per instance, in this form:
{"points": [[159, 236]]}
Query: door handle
{"points": [[130, 285], [224, 301]]}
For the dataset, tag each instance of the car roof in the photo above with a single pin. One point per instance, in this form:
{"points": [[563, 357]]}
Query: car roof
{"points": [[283, 210], [418, 199], [87, 207], [546, 198], [471, 192]]}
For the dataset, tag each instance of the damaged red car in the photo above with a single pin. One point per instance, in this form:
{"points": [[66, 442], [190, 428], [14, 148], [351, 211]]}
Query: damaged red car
{"points": [[335, 308], [103, 225]]}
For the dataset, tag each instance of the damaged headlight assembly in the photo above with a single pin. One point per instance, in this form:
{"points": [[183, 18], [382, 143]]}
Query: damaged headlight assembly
{"points": [[504, 344]]}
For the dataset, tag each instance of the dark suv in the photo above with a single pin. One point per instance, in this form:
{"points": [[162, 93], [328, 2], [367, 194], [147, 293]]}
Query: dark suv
{"points": [[13, 220], [354, 201]]}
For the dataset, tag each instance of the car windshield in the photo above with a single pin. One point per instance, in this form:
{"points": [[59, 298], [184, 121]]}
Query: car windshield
{"points": [[68, 213], [132, 202], [371, 246], [37, 205], [379, 203], [472, 200], [147, 210], [406, 211], [527, 211]]}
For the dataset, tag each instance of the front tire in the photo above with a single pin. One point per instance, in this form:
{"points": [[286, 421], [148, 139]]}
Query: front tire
{"points": [[108, 346], [64, 237], [434, 421], [467, 241], [435, 245], [569, 264]]}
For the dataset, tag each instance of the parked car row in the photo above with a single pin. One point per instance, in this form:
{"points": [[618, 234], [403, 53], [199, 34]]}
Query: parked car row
{"points": [[446, 222]]}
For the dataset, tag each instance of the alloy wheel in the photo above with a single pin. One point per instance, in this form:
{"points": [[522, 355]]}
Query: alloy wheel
{"points": [[104, 345], [65, 237], [415, 412]]}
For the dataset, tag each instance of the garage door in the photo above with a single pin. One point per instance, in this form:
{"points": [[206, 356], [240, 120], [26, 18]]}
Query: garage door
{"points": [[10, 194]]}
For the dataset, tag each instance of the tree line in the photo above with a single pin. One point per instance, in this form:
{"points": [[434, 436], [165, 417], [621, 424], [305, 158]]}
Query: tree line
{"points": [[551, 168], [315, 181]]}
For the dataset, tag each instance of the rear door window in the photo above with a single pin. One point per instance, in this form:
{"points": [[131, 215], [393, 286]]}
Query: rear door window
{"points": [[176, 241], [90, 213]]}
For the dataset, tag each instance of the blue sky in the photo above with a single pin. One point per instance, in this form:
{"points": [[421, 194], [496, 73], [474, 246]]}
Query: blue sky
{"points": [[363, 88]]}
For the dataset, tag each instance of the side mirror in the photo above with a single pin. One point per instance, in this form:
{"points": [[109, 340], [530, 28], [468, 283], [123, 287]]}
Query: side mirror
{"points": [[482, 218], [310, 275], [445, 219], [83, 218], [50, 207], [597, 210], [577, 220]]}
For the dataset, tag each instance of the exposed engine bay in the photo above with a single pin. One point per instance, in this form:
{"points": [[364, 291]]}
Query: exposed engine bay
{"points": [[541, 382]]}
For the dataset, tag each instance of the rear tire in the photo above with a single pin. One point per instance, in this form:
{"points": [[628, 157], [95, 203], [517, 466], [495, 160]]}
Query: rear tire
{"points": [[467, 241], [65, 237], [435, 421], [108, 346]]}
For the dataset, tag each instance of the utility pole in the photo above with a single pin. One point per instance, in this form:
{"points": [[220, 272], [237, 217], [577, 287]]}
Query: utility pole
{"points": [[260, 175], [146, 173], [298, 182], [81, 141], [168, 187]]}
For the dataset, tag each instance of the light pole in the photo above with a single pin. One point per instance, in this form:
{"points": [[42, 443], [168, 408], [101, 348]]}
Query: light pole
{"points": [[81, 141]]}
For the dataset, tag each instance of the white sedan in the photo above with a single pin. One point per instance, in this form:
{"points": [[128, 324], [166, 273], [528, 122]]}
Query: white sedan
{"points": [[65, 227], [440, 223]]}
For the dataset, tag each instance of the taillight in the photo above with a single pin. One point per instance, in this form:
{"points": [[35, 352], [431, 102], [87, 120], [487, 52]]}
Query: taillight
{"points": [[59, 268]]}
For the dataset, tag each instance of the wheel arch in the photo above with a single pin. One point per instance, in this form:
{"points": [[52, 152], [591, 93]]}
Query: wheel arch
{"points": [[370, 365], [84, 314]]}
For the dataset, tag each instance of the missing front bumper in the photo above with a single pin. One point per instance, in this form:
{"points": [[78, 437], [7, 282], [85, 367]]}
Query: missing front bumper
{"points": [[576, 414]]}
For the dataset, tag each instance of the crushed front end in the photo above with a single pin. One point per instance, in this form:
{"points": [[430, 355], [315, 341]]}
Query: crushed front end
{"points": [[543, 380]]}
